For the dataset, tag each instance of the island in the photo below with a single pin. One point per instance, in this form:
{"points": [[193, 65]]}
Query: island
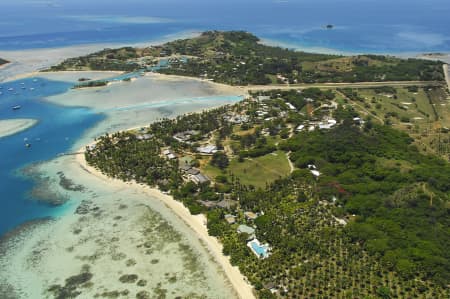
{"points": [[308, 195], [329, 180], [10, 127], [239, 58]]}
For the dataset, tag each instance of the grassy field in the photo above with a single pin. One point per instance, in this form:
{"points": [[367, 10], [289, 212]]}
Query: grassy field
{"points": [[421, 113], [255, 171]]}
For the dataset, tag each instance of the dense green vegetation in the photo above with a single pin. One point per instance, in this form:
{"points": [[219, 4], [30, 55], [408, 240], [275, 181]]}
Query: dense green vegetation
{"points": [[402, 216], [96, 83], [394, 199], [238, 58], [122, 59]]}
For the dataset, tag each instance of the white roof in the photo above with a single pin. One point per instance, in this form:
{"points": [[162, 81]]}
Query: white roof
{"points": [[315, 173], [207, 149], [292, 107], [332, 122]]}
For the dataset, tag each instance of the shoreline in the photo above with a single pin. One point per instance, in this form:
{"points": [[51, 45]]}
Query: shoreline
{"points": [[33, 60], [10, 127], [197, 223]]}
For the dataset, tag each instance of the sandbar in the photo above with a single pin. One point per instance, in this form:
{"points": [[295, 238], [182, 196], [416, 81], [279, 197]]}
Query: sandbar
{"points": [[142, 101], [10, 127]]}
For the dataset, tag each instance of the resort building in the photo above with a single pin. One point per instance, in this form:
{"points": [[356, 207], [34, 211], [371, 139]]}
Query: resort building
{"points": [[231, 219], [169, 154], [200, 178], [144, 136], [250, 215], [185, 136], [291, 107], [263, 98], [207, 150], [250, 231]]}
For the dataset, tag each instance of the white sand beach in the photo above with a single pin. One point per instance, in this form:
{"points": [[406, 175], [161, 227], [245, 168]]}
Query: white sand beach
{"points": [[196, 222], [13, 126], [122, 238]]}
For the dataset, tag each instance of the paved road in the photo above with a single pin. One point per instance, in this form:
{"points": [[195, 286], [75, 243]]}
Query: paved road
{"points": [[340, 85]]}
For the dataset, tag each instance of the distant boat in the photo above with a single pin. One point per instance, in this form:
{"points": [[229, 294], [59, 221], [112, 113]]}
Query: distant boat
{"points": [[330, 26], [16, 107], [10, 89], [32, 88], [27, 144]]}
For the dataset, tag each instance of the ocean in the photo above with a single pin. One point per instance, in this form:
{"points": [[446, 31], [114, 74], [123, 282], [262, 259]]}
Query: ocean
{"points": [[363, 26], [57, 130], [360, 26]]}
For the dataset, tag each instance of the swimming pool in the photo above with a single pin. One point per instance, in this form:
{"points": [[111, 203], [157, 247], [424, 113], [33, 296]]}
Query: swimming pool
{"points": [[258, 249]]}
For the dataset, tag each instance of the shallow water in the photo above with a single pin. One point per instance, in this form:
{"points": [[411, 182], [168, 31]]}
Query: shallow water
{"points": [[32, 174], [63, 129]]}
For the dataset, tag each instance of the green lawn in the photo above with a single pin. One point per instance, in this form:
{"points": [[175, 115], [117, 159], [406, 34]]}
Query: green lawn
{"points": [[255, 171], [418, 109]]}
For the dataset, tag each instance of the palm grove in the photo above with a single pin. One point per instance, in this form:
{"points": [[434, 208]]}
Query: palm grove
{"points": [[394, 198]]}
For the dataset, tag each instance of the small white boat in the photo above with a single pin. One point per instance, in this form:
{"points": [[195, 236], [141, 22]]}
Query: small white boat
{"points": [[10, 89], [16, 107], [32, 88]]}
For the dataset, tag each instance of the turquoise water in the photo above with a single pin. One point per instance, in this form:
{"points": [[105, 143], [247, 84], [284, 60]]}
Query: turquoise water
{"points": [[57, 130], [360, 26], [260, 250]]}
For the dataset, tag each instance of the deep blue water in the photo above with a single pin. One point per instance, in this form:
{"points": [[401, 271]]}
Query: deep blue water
{"points": [[381, 26], [57, 130]]}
